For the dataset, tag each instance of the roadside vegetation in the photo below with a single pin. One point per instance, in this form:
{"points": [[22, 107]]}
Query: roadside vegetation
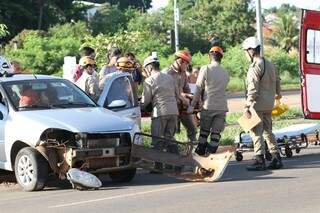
{"points": [[129, 26]]}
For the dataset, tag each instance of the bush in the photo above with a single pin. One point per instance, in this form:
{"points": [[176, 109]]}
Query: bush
{"points": [[284, 62], [43, 52]]}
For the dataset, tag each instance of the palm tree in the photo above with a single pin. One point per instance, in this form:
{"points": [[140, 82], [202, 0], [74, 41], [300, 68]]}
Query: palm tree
{"points": [[286, 32]]}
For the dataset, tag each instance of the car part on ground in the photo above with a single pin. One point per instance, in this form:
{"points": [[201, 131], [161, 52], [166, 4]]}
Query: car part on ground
{"points": [[83, 180], [177, 159]]}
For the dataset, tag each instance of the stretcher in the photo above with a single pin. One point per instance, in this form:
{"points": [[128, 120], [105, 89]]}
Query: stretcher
{"points": [[177, 159], [294, 137]]}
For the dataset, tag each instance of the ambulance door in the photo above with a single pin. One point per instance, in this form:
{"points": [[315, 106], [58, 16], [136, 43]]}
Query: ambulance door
{"points": [[310, 63]]}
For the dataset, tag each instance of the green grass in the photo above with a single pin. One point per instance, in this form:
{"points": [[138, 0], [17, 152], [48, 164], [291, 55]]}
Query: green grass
{"points": [[287, 83], [292, 116]]}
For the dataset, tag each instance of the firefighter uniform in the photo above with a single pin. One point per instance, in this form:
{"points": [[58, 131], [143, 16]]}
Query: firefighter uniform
{"points": [[211, 85], [161, 91], [89, 84], [263, 84], [183, 87]]}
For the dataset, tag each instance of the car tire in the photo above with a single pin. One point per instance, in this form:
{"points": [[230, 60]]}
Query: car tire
{"points": [[123, 176], [31, 169]]}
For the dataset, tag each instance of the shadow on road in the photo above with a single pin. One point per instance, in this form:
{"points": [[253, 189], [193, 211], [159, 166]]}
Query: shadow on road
{"points": [[236, 171]]}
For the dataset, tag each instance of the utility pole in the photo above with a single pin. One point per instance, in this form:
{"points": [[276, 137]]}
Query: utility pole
{"points": [[259, 24], [176, 20]]}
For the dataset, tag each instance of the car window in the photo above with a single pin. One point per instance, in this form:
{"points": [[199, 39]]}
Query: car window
{"points": [[45, 93], [313, 46], [120, 90]]}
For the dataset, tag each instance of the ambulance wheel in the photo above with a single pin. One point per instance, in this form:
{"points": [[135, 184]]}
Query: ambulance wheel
{"points": [[239, 156], [288, 152], [268, 156], [298, 150]]}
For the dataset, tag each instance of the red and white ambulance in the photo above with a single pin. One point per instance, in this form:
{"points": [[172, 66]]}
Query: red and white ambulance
{"points": [[310, 63]]}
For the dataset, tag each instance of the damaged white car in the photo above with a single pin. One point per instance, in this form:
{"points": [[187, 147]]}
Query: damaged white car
{"points": [[47, 124]]}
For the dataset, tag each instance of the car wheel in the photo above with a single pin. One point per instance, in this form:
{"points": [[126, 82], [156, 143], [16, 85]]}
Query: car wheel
{"points": [[31, 169], [123, 176]]}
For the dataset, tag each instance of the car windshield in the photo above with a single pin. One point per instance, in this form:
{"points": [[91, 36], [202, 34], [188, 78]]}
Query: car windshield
{"points": [[46, 94]]}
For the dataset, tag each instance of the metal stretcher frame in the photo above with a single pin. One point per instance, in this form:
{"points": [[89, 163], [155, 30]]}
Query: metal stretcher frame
{"points": [[286, 143]]}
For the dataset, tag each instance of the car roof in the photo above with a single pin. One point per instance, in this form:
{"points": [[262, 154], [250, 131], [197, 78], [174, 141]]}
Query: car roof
{"points": [[21, 77]]}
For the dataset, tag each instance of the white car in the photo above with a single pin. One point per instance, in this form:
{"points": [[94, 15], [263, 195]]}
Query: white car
{"points": [[47, 124]]}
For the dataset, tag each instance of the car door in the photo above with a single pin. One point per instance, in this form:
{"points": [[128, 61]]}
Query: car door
{"points": [[310, 63], [121, 87]]}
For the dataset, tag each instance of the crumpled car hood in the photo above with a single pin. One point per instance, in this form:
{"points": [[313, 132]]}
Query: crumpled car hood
{"points": [[91, 119]]}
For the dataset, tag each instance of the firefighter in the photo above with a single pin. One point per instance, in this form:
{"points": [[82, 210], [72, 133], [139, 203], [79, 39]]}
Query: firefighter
{"points": [[212, 83], [88, 81], [162, 93], [178, 71], [263, 87]]}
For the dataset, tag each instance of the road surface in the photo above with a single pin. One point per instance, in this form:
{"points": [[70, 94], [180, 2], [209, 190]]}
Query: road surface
{"points": [[293, 189], [292, 98]]}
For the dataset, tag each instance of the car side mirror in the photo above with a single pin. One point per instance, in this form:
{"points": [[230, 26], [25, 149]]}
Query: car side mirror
{"points": [[117, 104]]}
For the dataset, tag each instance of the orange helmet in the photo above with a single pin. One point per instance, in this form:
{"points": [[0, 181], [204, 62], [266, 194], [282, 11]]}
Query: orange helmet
{"points": [[86, 60], [125, 64], [184, 54], [216, 49]]}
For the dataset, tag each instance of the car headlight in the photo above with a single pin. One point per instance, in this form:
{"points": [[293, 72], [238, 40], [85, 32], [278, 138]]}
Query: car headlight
{"points": [[138, 139], [81, 140]]}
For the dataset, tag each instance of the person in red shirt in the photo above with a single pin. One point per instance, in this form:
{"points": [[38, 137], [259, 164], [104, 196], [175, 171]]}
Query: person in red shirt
{"points": [[29, 97], [77, 72]]}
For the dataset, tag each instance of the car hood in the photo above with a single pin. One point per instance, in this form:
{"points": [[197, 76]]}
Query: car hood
{"points": [[91, 119]]}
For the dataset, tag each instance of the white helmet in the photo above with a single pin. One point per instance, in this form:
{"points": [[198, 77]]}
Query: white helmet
{"points": [[5, 66], [250, 43], [149, 60]]}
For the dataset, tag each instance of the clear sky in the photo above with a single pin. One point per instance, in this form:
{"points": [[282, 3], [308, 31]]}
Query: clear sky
{"points": [[307, 4]]}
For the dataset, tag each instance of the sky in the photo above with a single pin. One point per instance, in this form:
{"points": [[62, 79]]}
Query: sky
{"points": [[306, 4]]}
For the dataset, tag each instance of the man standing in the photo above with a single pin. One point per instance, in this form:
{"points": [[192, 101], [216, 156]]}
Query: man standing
{"points": [[263, 86], [178, 71], [161, 92], [77, 71], [212, 83], [88, 81]]}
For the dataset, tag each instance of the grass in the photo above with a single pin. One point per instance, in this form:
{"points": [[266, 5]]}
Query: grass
{"points": [[287, 83], [292, 116]]}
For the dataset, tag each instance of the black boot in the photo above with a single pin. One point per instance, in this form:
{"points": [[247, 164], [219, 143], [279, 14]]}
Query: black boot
{"points": [[211, 149], [276, 162], [201, 149], [258, 164]]}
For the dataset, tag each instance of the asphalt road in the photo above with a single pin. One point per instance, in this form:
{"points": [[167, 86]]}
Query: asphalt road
{"points": [[292, 189], [292, 98]]}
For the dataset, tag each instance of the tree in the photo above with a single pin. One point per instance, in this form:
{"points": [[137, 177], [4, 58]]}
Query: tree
{"points": [[286, 32], [230, 19], [42, 52], [35, 14], [283, 9], [125, 4], [108, 20], [3, 30]]}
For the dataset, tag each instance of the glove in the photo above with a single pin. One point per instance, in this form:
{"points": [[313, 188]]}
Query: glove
{"points": [[278, 96], [190, 110], [247, 113]]}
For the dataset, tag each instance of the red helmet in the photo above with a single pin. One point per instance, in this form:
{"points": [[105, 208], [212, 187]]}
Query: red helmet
{"points": [[184, 54]]}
